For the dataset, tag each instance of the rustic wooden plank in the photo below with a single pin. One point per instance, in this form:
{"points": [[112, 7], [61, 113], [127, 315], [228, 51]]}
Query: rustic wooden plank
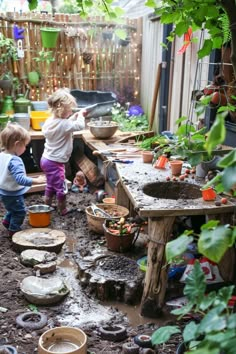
{"points": [[41, 187]]}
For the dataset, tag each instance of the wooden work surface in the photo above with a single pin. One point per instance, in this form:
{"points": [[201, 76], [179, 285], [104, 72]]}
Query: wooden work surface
{"points": [[134, 176]]}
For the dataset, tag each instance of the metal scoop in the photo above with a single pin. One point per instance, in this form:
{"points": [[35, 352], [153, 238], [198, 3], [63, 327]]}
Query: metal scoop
{"points": [[95, 209]]}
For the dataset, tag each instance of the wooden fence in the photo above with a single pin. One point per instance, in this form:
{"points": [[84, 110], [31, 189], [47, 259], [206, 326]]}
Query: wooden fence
{"points": [[88, 55]]}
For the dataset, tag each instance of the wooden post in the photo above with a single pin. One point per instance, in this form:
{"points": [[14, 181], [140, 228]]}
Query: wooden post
{"points": [[155, 95], [159, 230]]}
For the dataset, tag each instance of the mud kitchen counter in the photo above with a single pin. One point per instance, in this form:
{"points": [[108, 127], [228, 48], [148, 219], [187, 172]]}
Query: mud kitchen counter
{"points": [[161, 201]]}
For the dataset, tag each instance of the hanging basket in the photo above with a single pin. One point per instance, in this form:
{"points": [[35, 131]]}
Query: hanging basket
{"points": [[49, 36]]}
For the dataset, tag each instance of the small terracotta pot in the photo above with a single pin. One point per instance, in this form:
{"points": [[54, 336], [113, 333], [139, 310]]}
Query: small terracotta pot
{"points": [[161, 162], [208, 194], [176, 167], [147, 156]]}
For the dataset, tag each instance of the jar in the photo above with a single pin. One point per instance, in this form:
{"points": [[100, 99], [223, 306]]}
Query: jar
{"points": [[7, 106], [22, 104]]}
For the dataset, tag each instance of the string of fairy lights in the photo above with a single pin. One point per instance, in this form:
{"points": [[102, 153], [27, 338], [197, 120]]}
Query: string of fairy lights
{"points": [[112, 66]]}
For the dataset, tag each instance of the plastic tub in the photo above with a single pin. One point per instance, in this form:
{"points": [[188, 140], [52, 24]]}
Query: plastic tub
{"points": [[37, 119], [23, 119], [39, 105], [64, 340]]}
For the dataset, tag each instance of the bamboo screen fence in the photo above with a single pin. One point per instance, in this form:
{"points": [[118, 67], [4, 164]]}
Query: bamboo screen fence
{"points": [[99, 62]]}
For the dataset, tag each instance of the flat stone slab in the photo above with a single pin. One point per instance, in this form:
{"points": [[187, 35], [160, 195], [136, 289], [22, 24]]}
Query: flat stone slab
{"points": [[40, 239]]}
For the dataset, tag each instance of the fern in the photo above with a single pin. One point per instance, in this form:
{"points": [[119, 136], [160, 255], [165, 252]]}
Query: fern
{"points": [[225, 28]]}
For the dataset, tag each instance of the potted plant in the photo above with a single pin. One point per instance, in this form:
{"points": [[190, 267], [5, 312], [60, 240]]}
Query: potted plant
{"points": [[8, 51], [119, 234], [45, 57]]}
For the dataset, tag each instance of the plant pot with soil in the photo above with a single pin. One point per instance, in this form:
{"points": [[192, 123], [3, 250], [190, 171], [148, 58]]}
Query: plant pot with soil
{"points": [[120, 234]]}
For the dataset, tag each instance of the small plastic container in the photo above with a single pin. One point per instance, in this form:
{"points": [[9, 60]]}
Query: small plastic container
{"points": [[39, 105], [22, 119], [37, 119], [208, 194], [161, 162]]}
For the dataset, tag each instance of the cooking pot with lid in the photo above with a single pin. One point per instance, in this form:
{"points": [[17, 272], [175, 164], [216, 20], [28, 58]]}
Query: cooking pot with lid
{"points": [[39, 215]]}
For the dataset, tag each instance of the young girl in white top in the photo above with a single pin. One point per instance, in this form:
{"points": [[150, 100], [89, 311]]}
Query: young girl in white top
{"points": [[58, 131], [14, 182]]}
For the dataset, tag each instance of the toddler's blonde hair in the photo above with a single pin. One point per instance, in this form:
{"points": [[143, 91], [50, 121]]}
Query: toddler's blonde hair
{"points": [[60, 101], [11, 133]]}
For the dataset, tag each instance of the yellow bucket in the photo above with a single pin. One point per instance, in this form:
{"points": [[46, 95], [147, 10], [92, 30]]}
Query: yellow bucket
{"points": [[37, 119]]}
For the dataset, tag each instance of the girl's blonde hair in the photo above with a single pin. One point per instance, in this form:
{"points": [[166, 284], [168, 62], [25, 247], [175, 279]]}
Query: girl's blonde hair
{"points": [[60, 101], [11, 133]]}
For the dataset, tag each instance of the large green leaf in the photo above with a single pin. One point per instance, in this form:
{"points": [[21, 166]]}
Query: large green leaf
{"points": [[229, 177], [228, 159], [163, 334], [213, 321], [214, 243], [206, 49], [177, 247], [217, 133], [190, 331], [32, 4], [195, 284]]}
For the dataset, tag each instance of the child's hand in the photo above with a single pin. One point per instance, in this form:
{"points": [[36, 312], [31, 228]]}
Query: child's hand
{"points": [[39, 180]]}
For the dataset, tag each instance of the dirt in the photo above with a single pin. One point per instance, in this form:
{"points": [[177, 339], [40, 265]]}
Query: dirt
{"points": [[80, 308]]}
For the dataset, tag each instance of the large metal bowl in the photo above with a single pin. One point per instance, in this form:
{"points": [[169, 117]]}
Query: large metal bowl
{"points": [[103, 129]]}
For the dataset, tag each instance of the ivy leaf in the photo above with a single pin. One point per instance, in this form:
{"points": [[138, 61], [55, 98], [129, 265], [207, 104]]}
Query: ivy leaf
{"points": [[206, 49], [121, 33], [150, 3]]}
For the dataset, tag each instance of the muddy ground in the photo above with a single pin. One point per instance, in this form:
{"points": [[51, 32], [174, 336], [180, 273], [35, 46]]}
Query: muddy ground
{"points": [[80, 308]]}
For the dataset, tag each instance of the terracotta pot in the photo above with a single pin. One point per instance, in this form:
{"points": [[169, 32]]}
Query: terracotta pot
{"points": [[118, 243], [208, 194], [176, 167], [147, 156]]}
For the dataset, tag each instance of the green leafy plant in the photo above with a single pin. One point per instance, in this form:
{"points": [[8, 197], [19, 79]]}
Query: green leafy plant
{"points": [[8, 49], [128, 123], [215, 332], [194, 145]]}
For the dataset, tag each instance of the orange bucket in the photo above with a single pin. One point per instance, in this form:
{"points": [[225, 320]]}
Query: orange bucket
{"points": [[208, 194]]}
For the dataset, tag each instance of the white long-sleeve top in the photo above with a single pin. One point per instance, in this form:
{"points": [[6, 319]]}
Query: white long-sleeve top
{"points": [[58, 134]]}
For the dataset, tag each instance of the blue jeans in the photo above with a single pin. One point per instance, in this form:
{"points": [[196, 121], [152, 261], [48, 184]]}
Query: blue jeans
{"points": [[15, 206]]}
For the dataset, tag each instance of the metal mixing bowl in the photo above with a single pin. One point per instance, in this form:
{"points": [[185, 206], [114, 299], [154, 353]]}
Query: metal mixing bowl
{"points": [[103, 129]]}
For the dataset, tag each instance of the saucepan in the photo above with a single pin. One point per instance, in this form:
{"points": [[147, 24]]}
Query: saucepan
{"points": [[39, 215]]}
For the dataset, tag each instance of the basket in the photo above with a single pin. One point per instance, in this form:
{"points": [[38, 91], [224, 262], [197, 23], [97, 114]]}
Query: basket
{"points": [[37, 119], [95, 223]]}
